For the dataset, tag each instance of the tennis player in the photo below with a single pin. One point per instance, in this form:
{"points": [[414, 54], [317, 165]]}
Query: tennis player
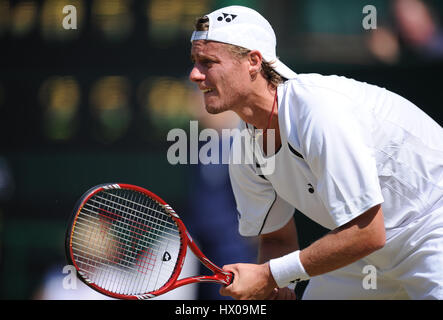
{"points": [[357, 159]]}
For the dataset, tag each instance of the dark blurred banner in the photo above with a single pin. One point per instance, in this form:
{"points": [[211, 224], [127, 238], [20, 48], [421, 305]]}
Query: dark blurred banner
{"points": [[90, 89]]}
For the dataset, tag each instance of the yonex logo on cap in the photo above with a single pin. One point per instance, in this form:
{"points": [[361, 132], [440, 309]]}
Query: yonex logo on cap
{"points": [[253, 33], [227, 17]]}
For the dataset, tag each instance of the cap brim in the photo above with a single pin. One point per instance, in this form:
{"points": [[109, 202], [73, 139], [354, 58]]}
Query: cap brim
{"points": [[283, 70]]}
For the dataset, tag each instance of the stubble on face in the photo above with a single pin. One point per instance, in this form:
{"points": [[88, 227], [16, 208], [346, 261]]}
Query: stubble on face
{"points": [[223, 75]]}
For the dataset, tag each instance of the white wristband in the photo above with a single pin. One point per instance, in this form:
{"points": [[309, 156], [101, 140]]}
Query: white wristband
{"points": [[288, 269]]}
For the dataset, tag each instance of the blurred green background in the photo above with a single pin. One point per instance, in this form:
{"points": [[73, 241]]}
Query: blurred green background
{"points": [[93, 105]]}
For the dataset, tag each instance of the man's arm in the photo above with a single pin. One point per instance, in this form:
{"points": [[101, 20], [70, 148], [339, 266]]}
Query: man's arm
{"points": [[278, 243], [340, 247], [271, 245], [346, 244]]}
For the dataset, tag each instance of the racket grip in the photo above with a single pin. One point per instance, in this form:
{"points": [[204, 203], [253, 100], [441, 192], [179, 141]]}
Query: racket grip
{"points": [[232, 278]]}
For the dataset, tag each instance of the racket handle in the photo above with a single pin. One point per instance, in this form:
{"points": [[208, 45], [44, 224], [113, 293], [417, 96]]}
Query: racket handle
{"points": [[232, 279]]}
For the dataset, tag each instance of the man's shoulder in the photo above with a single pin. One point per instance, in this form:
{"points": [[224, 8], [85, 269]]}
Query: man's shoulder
{"points": [[312, 90], [316, 82]]}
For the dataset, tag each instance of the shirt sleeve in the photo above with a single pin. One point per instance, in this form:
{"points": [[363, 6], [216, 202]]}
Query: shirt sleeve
{"points": [[338, 150], [260, 209]]}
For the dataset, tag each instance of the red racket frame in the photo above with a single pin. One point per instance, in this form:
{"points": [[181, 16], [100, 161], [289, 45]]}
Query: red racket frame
{"points": [[219, 276]]}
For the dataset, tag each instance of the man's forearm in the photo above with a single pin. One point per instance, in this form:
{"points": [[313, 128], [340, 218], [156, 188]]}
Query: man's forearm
{"points": [[278, 243], [346, 244], [273, 249], [340, 247]]}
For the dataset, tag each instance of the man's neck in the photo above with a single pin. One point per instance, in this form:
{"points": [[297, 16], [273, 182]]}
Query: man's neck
{"points": [[256, 111]]}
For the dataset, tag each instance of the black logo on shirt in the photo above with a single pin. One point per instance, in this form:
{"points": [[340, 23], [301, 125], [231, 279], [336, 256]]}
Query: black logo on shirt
{"points": [[227, 17], [311, 188]]}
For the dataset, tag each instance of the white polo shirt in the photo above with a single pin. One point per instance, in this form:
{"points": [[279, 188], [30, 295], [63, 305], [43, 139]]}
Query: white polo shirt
{"points": [[346, 147]]}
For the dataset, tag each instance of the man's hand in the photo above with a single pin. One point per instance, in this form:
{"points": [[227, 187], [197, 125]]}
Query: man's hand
{"points": [[253, 282], [282, 294]]}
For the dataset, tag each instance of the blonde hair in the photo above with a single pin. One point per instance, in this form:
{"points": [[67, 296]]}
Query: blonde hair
{"points": [[268, 72]]}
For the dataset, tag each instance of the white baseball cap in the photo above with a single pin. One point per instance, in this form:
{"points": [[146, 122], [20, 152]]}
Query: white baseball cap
{"points": [[244, 27]]}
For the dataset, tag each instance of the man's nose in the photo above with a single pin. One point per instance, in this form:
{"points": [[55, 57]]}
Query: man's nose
{"points": [[196, 75]]}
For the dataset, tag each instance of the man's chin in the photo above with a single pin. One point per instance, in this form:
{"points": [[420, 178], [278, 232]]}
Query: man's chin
{"points": [[214, 110]]}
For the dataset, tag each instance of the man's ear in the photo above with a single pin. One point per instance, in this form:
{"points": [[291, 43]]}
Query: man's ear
{"points": [[255, 60]]}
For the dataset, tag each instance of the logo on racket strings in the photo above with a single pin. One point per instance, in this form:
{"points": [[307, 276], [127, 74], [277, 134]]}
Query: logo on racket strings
{"points": [[166, 256]]}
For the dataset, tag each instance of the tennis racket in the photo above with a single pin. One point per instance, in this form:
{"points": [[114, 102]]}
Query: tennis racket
{"points": [[127, 243]]}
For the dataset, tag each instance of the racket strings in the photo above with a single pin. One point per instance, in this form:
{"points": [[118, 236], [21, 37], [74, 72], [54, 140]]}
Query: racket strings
{"points": [[139, 263], [128, 225], [125, 242], [160, 222], [114, 245]]}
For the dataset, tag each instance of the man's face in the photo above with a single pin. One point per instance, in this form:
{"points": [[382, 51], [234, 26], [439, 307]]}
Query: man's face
{"points": [[222, 78]]}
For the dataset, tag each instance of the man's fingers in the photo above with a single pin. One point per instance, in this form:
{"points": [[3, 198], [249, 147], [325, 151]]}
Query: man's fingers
{"points": [[223, 291], [273, 295], [282, 294], [229, 267], [226, 290], [286, 294]]}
